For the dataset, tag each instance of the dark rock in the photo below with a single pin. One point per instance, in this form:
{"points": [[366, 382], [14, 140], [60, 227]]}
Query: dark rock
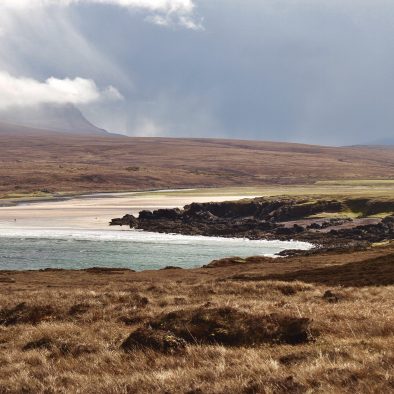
{"points": [[285, 231], [371, 232], [168, 214], [298, 229], [265, 218], [127, 220], [145, 215], [205, 216]]}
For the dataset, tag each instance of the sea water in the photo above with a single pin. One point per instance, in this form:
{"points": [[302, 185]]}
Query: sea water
{"points": [[33, 249]]}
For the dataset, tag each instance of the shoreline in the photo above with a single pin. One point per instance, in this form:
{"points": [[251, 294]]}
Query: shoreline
{"points": [[11, 202], [363, 188], [225, 216], [95, 210]]}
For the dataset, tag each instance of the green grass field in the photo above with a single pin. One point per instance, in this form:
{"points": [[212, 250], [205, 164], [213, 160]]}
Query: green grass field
{"points": [[336, 189], [369, 189]]}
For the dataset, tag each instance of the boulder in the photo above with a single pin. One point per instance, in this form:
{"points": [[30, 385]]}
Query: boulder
{"points": [[167, 214], [127, 220], [145, 215]]}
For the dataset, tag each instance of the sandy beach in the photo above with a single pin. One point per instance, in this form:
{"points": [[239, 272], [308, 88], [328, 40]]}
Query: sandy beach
{"points": [[95, 211]]}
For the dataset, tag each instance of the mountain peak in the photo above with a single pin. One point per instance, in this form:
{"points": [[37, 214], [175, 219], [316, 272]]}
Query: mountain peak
{"points": [[54, 118]]}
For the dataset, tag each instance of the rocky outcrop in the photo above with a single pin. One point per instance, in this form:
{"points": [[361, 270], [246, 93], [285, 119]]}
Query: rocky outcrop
{"points": [[263, 218], [371, 233], [127, 220]]}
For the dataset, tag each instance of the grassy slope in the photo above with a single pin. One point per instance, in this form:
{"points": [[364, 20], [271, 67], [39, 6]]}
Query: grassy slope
{"points": [[47, 164], [372, 201], [92, 313]]}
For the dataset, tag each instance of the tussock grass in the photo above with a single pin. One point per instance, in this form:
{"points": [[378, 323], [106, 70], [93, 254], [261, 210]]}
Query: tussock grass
{"points": [[76, 345]]}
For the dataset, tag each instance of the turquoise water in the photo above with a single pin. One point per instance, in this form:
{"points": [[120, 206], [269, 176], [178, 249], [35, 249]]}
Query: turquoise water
{"points": [[32, 249]]}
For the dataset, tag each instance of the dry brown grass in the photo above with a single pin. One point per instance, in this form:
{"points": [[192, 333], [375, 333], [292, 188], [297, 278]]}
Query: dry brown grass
{"points": [[44, 164], [63, 331]]}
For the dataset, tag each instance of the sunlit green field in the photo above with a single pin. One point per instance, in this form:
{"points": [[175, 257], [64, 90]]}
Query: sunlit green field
{"points": [[361, 188], [369, 188], [363, 182]]}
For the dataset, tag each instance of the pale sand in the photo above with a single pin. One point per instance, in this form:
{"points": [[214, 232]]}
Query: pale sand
{"points": [[95, 212]]}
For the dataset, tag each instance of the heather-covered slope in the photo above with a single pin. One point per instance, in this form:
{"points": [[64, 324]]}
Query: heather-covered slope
{"points": [[66, 163]]}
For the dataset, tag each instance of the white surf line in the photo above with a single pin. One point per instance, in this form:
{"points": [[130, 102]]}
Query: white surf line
{"points": [[138, 236]]}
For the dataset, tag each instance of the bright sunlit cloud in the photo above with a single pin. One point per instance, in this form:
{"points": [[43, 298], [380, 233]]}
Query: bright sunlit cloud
{"points": [[163, 12], [20, 92]]}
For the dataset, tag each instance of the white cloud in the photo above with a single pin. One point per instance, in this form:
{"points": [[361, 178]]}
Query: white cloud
{"points": [[21, 92], [153, 5], [164, 12]]}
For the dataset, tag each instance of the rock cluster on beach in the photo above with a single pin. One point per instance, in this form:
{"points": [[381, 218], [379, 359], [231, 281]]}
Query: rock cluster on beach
{"points": [[318, 221]]}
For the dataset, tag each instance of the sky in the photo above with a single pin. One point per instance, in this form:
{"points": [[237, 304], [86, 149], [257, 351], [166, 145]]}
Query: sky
{"points": [[314, 71]]}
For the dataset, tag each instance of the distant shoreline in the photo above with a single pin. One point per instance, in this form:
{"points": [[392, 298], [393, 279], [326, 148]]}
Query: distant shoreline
{"points": [[10, 202], [363, 188]]}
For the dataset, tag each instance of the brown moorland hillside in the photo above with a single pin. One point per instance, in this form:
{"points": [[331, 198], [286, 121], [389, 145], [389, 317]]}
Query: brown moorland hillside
{"points": [[68, 163], [305, 324]]}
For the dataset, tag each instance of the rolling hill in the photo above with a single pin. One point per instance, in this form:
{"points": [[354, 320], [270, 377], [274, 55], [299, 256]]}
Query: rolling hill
{"points": [[59, 162]]}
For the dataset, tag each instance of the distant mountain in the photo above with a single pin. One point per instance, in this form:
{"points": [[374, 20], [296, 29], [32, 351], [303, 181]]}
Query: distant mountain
{"points": [[54, 118], [9, 128], [384, 141], [376, 143]]}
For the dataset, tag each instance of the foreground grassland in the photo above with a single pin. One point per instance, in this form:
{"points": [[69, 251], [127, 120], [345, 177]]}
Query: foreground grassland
{"points": [[62, 331]]}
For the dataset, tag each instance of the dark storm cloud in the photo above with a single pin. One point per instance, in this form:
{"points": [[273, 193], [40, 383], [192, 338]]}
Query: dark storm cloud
{"points": [[312, 71]]}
